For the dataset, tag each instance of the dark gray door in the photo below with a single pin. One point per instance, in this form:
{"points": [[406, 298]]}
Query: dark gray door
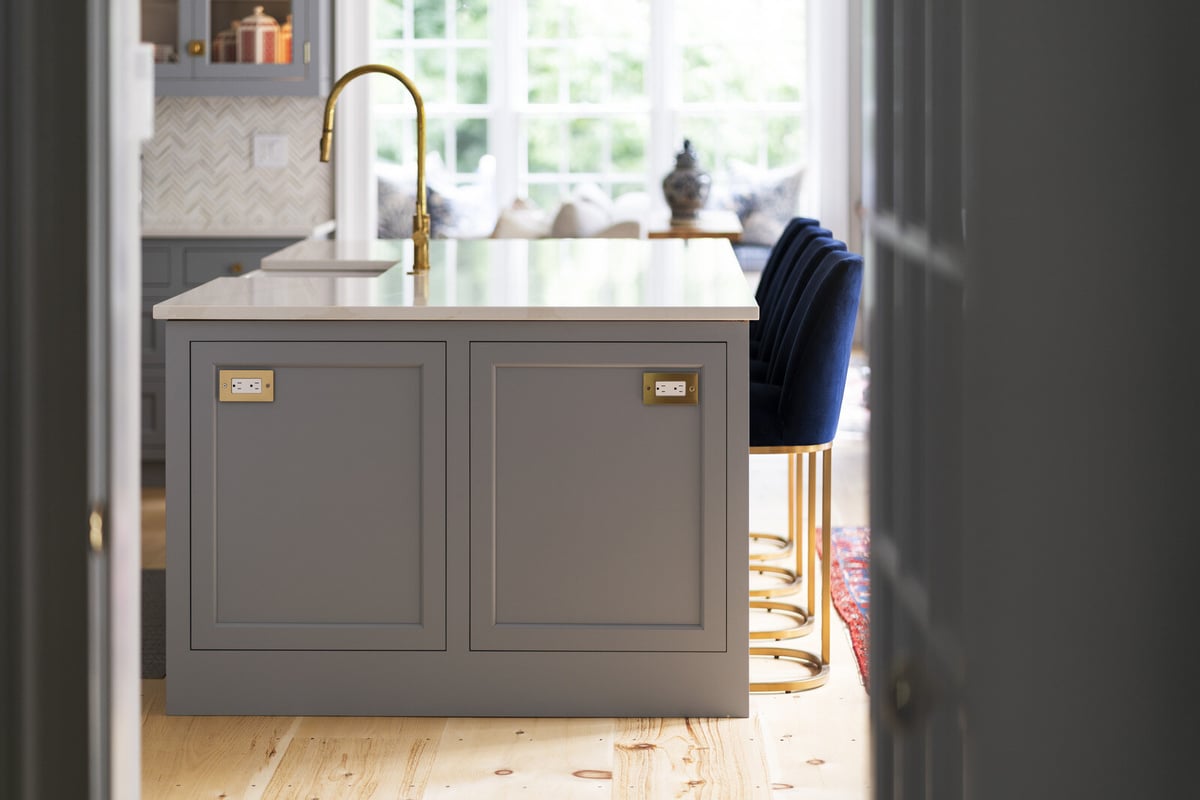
{"points": [[1033, 453], [597, 522], [319, 519], [915, 249], [69, 506]]}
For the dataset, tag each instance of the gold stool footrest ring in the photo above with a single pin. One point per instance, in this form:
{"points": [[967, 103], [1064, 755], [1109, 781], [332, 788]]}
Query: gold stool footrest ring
{"points": [[791, 586], [818, 671], [803, 626], [780, 546]]}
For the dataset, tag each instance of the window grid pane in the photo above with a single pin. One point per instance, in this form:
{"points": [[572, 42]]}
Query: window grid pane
{"points": [[584, 112]]}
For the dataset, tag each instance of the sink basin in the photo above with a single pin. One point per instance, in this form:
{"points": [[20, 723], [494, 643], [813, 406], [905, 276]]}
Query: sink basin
{"points": [[370, 256]]}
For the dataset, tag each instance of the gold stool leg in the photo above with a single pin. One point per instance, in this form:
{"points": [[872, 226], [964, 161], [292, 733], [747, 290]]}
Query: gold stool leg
{"points": [[812, 532], [818, 668], [827, 550]]}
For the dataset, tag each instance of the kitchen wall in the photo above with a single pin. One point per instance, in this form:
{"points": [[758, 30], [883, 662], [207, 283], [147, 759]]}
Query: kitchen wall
{"points": [[198, 171]]}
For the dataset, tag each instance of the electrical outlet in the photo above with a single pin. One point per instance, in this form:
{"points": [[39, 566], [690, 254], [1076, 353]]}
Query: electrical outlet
{"points": [[246, 385], [270, 150], [670, 388]]}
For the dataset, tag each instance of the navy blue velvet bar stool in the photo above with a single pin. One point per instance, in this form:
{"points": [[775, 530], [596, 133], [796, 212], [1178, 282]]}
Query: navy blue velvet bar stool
{"points": [[807, 263], [774, 266], [796, 412], [807, 251], [773, 306]]}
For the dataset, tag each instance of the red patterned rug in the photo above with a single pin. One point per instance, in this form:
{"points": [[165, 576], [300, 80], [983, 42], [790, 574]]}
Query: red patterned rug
{"points": [[851, 587]]}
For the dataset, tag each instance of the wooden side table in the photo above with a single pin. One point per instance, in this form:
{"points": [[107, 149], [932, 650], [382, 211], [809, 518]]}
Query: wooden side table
{"points": [[710, 224]]}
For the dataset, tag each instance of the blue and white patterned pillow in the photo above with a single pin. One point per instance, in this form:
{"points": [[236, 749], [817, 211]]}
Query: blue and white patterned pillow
{"points": [[764, 199], [455, 212]]}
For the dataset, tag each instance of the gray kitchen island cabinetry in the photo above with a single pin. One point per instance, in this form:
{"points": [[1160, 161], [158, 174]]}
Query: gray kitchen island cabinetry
{"points": [[170, 265], [451, 507]]}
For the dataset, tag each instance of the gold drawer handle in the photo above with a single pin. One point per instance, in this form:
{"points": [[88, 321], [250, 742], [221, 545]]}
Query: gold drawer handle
{"points": [[195, 47], [236, 269]]}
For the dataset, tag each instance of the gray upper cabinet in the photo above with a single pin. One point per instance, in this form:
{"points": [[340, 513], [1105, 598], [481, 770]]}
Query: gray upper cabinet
{"points": [[203, 47]]}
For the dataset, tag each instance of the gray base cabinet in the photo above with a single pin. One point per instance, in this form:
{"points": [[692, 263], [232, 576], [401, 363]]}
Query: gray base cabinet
{"points": [[171, 266], [597, 522], [439, 518], [327, 529]]}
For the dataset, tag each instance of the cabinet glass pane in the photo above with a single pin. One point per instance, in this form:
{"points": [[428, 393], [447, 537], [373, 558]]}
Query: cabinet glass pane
{"points": [[251, 32], [160, 27]]}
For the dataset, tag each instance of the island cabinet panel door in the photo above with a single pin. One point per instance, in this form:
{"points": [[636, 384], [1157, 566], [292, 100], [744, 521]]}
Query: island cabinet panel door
{"points": [[318, 518], [598, 521]]}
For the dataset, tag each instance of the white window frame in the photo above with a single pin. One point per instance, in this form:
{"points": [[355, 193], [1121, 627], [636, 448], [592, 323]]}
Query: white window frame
{"points": [[832, 156]]}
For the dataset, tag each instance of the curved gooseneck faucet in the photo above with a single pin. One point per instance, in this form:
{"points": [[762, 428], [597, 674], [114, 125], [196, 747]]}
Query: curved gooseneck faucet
{"points": [[420, 234]]}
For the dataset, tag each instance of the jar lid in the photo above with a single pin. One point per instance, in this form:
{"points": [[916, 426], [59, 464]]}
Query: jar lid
{"points": [[260, 19]]}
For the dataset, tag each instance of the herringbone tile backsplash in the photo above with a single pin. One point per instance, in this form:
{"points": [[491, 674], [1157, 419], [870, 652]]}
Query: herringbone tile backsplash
{"points": [[198, 170]]}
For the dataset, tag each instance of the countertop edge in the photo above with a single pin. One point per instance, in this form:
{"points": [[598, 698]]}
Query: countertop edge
{"points": [[320, 230], [442, 314]]}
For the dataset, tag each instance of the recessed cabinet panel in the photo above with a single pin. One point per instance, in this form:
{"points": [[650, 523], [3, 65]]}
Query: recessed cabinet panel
{"points": [[156, 266], [318, 519], [597, 521], [154, 408]]}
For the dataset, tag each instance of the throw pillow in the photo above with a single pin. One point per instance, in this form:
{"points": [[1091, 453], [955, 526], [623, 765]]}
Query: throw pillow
{"points": [[585, 213], [455, 212], [522, 220], [764, 199]]}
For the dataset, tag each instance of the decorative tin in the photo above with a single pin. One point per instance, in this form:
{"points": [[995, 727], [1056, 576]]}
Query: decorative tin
{"points": [[686, 187], [258, 38], [224, 46], [285, 41]]}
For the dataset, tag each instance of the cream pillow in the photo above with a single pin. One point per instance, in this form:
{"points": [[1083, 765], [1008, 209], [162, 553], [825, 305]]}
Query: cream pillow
{"points": [[522, 220], [578, 218], [625, 229]]}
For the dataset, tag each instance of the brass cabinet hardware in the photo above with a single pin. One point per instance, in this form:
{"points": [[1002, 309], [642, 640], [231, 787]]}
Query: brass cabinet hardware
{"points": [[236, 269], [195, 47], [96, 529], [307, 52]]}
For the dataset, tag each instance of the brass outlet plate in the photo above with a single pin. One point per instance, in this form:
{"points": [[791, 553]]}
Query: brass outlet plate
{"points": [[237, 385], [654, 396]]}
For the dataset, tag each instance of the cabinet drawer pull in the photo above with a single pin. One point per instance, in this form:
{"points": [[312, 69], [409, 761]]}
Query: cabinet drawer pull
{"points": [[236, 269], [195, 47]]}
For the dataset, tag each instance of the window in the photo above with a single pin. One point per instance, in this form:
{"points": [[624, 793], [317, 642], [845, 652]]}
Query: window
{"points": [[529, 98]]}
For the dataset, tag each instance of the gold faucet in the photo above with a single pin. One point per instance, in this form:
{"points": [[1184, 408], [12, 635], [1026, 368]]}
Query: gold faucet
{"points": [[420, 234]]}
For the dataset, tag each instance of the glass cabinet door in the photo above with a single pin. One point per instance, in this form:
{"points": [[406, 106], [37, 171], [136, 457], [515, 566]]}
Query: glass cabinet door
{"points": [[251, 38], [166, 24], [229, 39]]}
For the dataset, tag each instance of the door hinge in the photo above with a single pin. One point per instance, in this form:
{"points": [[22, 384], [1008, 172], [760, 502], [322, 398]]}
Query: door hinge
{"points": [[307, 52]]}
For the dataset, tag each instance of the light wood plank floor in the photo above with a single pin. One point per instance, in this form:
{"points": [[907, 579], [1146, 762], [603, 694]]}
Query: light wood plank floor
{"points": [[811, 745]]}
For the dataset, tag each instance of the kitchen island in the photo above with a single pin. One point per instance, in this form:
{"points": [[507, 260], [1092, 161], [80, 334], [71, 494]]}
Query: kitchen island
{"points": [[515, 485]]}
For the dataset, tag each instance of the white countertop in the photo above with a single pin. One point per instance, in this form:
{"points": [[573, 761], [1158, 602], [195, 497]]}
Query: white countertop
{"points": [[487, 279], [317, 231]]}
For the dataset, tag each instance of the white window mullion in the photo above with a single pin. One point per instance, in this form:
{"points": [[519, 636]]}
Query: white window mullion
{"points": [[663, 78], [506, 83], [356, 203], [451, 88]]}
